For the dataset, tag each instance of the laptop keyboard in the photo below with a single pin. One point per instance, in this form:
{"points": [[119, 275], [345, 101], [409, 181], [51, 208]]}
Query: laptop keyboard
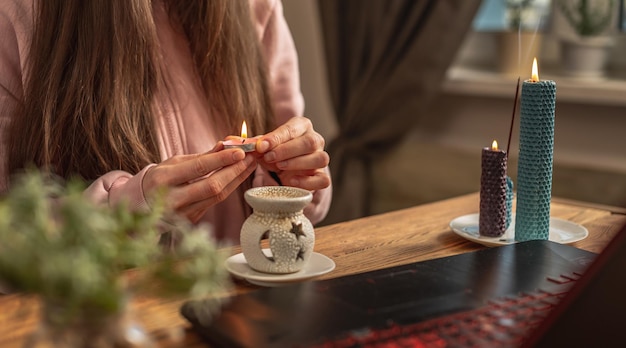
{"points": [[500, 323]]}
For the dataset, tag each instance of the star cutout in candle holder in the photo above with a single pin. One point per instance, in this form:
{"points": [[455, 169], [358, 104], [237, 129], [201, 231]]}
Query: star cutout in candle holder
{"points": [[265, 235], [300, 254], [297, 230]]}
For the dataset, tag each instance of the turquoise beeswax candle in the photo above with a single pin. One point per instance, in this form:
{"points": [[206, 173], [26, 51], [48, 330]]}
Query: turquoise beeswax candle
{"points": [[534, 171]]}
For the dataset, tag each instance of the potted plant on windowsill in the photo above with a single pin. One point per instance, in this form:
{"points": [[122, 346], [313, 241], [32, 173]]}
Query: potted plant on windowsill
{"points": [[585, 53], [520, 42], [85, 261]]}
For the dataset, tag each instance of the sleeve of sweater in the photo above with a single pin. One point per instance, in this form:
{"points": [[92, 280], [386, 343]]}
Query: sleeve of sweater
{"points": [[118, 186], [282, 59]]}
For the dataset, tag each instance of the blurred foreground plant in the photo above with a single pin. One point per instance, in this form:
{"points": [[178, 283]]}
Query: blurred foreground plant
{"points": [[76, 255]]}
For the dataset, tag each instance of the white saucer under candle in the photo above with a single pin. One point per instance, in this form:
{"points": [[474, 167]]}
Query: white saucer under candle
{"points": [[318, 265], [561, 231]]}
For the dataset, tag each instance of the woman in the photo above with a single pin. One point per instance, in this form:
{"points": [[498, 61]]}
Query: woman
{"points": [[134, 95]]}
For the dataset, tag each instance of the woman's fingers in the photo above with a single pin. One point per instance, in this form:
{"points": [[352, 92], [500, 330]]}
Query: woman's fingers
{"points": [[316, 160], [293, 146], [294, 128], [213, 188], [308, 143], [295, 151], [308, 180], [183, 169], [195, 182]]}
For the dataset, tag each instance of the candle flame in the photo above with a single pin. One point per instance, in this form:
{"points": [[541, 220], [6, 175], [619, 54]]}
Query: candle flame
{"points": [[244, 130], [494, 146], [535, 72]]}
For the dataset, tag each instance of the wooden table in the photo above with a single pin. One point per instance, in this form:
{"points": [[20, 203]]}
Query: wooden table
{"points": [[395, 238]]}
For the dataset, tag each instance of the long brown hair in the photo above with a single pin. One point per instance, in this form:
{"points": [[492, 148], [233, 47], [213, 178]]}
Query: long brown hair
{"points": [[92, 75]]}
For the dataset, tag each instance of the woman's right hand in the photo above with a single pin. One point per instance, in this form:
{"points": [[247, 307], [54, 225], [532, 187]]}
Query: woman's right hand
{"points": [[193, 183]]}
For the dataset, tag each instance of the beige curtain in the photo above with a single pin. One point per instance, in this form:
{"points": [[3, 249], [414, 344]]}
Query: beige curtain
{"points": [[386, 61]]}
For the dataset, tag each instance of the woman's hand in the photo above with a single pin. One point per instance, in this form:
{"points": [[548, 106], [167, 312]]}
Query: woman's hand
{"points": [[295, 151], [193, 183]]}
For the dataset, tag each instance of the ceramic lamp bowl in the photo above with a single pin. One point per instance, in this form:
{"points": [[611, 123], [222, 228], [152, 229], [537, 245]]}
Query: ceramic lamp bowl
{"points": [[278, 215], [277, 199]]}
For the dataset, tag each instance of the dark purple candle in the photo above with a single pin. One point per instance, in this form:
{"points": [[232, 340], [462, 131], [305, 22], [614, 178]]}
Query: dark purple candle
{"points": [[493, 211]]}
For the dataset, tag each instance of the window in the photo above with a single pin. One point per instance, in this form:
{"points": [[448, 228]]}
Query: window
{"points": [[476, 71], [500, 14], [492, 14]]}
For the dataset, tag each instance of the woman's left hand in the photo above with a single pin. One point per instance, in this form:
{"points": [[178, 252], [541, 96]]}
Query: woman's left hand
{"points": [[295, 151]]}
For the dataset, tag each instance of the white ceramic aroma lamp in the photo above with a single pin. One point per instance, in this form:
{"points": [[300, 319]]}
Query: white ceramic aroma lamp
{"points": [[277, 214]]}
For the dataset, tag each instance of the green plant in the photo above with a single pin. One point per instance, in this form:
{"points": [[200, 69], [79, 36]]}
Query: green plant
{"points": [[517, 10], [56, 244], [588, 18]]}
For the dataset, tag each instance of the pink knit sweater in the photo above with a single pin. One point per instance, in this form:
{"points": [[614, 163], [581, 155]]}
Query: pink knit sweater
{"points": [[182, 122]]}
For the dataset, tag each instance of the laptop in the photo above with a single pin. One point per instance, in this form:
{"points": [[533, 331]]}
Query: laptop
{"points": [[347, 311]]}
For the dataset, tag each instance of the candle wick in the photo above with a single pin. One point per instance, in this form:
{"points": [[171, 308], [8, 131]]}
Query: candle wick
{"points": [[243, 140], [508, 145]]}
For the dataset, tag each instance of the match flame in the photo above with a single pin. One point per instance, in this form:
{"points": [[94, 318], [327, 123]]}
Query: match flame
{"points": [[244, 130], [535, 73], [494, 146]]}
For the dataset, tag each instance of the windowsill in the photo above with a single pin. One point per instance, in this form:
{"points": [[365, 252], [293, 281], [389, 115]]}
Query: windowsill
{"points": [[478, 81]]}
